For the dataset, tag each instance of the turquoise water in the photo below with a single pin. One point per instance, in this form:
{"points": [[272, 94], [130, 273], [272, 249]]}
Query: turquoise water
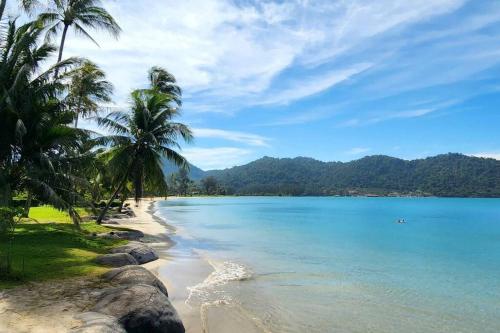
{"points": [[332, 264]]}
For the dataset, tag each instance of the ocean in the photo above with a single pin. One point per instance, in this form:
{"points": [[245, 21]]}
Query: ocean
{"points": [[344, 264]]}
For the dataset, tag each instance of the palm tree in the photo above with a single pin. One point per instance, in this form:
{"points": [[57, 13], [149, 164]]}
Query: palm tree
{"points": [[87, 88], [81, 14], [164, 82], [34, 132], [141, 139]]}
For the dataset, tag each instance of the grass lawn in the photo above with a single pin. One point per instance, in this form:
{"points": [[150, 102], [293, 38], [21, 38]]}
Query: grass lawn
{"points": [[52, 247]]}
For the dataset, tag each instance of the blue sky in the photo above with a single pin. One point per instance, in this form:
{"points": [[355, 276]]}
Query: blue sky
{"points": [[332, 80]]}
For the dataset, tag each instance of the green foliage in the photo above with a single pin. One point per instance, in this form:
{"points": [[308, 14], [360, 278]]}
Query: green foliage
{"points": [[8, 219], [443, 175], [87, 88]]}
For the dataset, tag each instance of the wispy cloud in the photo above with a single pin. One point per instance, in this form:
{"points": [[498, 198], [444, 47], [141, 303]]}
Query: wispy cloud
{"points": [[229, 55], [427, 108], [217, 157], [246, 138], [310, 86]]}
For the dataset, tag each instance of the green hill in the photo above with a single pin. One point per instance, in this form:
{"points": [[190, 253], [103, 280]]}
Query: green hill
{"points": [[443, 175], [195, 173]]}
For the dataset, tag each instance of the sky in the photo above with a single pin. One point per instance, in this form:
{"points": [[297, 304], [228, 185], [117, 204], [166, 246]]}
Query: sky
{"points": [[332, 80]]}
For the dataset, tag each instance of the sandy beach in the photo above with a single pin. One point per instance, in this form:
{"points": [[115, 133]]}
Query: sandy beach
{"points": [[32, 308], [180, 271]]}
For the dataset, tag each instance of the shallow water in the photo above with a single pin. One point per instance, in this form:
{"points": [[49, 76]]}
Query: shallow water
{"points": [[334, 264]]}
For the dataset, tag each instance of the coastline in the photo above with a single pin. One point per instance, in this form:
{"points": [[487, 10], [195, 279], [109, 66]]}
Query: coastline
{"points": [[27, 307], [180, 271]]}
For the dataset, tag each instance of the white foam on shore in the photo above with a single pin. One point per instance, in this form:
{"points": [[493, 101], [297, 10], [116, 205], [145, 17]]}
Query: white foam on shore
{"points": [[224, 272]]}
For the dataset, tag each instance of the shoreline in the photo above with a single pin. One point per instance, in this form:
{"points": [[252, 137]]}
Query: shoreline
{"points": [[182, 272], [27, 307]]}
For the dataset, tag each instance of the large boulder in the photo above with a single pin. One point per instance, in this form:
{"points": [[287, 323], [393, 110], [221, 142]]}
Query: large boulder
{"points": [[132, 275], [116, 260], [140, 251], [94, 322], [140, 308]]}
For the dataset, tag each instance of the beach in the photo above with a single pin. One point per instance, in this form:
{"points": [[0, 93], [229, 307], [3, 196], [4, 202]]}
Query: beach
{"points": [[31, 308], [271, 264], [180, 272]]}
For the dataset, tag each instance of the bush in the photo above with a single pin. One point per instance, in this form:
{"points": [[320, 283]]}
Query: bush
{"points": [[7, 221]]}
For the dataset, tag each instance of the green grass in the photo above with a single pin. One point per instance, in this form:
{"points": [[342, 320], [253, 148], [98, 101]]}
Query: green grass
{"points": [[53, 248], [50, 214]]}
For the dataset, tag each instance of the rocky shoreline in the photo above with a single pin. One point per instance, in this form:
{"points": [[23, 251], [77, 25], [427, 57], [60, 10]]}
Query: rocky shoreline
{"points": [[127, 298], [137, 300]]}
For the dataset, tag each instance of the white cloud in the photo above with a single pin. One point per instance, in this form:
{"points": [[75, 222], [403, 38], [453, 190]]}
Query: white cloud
{"points": [[313, 85], [217, 158], [227, 55], [247, 138], [358, 151], [428, 107], [494, 155]]}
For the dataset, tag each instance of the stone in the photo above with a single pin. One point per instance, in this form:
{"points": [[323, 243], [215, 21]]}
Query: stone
{"points": [[122, 234], [129, 234], [140, 308], [116, 259], [131, 275], [140, 251], [94, 322]]}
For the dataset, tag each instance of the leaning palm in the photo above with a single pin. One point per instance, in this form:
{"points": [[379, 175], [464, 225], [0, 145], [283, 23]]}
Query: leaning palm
{"points": [[87, 89], [80, 14], [141, 139]]}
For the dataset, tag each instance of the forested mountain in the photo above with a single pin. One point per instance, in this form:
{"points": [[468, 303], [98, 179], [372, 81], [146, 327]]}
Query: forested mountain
{"points": [[442, 175], [194, 173]]}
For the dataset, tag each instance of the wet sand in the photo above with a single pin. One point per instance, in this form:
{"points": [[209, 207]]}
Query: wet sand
{"points": [[179, 271]]}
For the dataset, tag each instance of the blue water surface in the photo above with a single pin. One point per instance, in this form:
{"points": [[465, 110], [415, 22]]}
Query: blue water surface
{"points": [[335, 264]]}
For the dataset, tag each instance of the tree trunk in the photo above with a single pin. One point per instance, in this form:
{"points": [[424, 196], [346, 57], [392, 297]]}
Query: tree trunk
{"points": [[113, 197], [5, 192], [27, 204], [74, 217], [61, 47]]}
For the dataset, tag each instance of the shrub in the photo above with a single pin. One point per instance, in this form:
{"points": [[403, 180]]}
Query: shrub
{"points": [[8, 218]]}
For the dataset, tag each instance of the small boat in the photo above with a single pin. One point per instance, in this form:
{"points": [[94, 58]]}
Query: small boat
{"points": [[401, 221]]}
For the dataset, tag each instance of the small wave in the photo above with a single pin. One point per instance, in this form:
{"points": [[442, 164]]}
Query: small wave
{"points": [[224, 272]]}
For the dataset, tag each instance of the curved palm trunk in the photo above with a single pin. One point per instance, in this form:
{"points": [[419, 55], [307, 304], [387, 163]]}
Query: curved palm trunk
{"points": [[115, 193], [61, 47], [113, 197]]}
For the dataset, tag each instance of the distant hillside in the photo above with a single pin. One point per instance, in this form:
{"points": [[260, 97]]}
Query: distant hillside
{"points": [[195, 173], [443, 175]]}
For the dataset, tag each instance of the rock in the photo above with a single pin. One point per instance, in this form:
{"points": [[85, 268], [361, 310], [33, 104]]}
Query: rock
{"points": [[130, 234], [94, 322], [116, 260], [132, 275], [140, 308], [122, 234], [140, 251]]}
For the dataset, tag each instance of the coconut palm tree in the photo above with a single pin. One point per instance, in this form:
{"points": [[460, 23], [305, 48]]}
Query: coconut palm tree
{"points": [[164, 82], [34, 132], [141, 138], [87, 88], [79, 14]]}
